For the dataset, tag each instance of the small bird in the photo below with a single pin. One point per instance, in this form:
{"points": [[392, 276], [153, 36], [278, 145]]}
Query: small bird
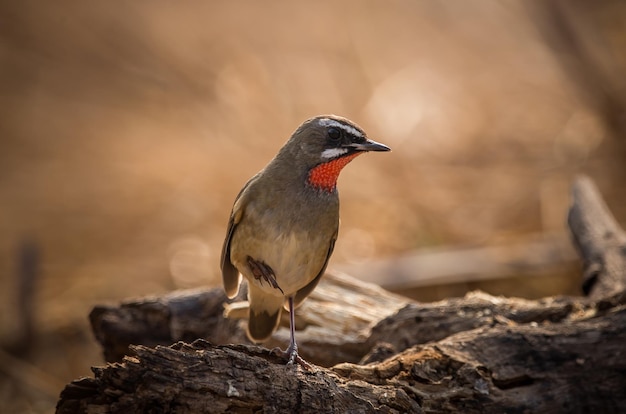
{"points": [[284, 223]]}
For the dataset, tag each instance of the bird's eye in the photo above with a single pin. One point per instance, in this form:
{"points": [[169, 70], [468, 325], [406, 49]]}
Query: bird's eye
{"points": [[334, 134]]}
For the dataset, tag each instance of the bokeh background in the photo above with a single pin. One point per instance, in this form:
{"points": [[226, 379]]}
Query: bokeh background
{"points": [[127, 129]]}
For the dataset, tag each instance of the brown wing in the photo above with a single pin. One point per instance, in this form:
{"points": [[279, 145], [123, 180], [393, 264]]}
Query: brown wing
{"points": [[306, 291], [230, 275]]}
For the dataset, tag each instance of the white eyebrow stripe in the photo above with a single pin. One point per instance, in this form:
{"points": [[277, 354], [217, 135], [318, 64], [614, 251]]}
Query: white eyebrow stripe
{"points": [[333, 152], [337, 124]]}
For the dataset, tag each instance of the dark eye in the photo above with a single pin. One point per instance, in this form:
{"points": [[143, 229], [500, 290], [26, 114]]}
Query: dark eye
{"points": [[334, 134]]}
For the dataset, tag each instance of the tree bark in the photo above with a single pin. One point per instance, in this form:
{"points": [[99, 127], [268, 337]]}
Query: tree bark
{"points": [[599, 239], [374, 351]]}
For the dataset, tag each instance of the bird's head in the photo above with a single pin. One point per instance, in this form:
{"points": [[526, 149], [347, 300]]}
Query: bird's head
{"points": [[324, 145]]}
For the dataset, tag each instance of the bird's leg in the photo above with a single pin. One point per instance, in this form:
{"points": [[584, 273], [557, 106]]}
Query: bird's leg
{"points": [[262, 271], [292, 350]]}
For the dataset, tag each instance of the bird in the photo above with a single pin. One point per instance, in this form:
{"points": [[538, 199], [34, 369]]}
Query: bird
{"points": [[284, 223]]}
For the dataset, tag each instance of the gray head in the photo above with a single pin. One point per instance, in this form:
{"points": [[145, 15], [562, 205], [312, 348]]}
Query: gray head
{"points": [[326, 138]]}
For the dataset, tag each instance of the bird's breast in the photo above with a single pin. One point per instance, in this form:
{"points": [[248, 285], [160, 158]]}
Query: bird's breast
{"points": [[293, 244]]}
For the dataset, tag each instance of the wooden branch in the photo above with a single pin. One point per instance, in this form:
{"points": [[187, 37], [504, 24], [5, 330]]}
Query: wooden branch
{"points": [[373, 351], [574, 367], [178, 316], [333, 323], [599, 239]]}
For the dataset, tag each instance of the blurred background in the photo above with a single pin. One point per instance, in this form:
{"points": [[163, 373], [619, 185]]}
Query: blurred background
{"points": [[128, 128]]}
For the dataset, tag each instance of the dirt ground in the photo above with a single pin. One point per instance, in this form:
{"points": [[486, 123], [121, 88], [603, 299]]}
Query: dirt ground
{"points": [[127, 129]]}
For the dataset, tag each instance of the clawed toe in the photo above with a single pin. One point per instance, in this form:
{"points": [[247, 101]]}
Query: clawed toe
{"points": [[292, 357]]}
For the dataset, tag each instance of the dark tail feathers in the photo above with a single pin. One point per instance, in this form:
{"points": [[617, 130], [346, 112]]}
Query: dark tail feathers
{"points": [[262, 325]]}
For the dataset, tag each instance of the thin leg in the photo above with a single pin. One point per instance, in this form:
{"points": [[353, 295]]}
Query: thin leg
{"points": [[292, 350]]}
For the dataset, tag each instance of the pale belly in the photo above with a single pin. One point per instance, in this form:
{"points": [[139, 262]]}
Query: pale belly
{"points": [[296, 258]]}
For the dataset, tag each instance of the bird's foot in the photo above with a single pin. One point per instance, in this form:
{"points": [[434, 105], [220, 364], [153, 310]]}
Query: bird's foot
{"points": [[292, 357]]}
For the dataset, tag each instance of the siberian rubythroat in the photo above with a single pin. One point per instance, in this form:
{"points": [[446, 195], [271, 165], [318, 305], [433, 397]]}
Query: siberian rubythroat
{"points": [[284, 222]]}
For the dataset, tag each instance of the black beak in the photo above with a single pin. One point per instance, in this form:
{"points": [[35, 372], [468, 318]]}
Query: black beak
{"points": [[367, 145]]}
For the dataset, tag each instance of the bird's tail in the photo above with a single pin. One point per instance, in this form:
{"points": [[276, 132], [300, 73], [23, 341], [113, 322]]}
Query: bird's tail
{"points": [[264, 314]]}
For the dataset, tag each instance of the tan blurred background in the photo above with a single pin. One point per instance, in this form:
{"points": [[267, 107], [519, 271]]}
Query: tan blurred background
{"points": [[127, 129]]}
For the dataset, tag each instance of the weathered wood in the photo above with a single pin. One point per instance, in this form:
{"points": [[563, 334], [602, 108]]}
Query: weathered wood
{"points": [[570, 367], [333, 323], [423, 323], [386, 354], [576, 367], [474, 354], [599, 239], [342, 321], [178, 316]]}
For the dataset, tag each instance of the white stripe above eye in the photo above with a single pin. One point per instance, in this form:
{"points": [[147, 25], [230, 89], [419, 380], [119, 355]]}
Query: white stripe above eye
{"points": [[330, 153], [349, 129]]}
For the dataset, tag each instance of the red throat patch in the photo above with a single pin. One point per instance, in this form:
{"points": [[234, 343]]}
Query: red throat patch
{"points": [[325, 175]]}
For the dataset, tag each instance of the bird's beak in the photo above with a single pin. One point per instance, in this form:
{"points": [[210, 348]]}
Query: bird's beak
{"points": [[368, 145]]}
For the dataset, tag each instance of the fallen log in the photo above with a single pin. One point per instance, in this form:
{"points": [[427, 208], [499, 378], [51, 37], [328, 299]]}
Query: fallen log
{"points": [[333, 323], [372, 351]]}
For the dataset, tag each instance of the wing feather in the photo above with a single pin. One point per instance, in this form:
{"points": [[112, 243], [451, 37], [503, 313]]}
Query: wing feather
{"points": [[230, 275]]}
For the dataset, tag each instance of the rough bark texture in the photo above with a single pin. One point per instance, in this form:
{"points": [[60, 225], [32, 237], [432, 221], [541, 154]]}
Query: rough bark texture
{"points": [[333, 323], [374, 351], [599, 239]]}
